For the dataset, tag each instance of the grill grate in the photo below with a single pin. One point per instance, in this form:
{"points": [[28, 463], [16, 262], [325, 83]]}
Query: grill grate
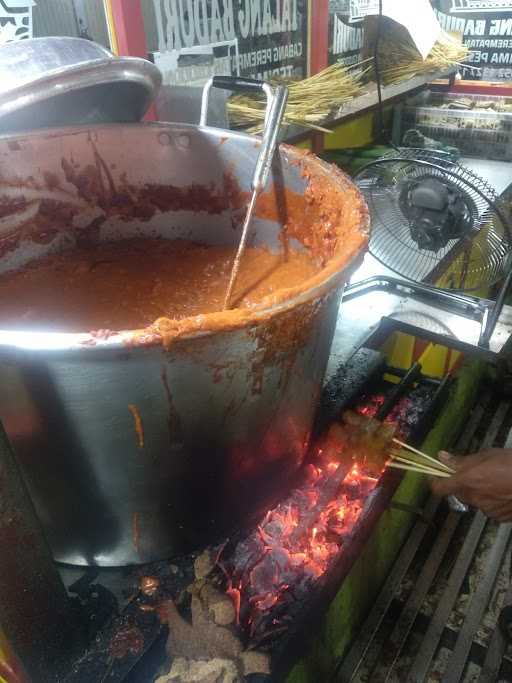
{"points": [[423, 627]]}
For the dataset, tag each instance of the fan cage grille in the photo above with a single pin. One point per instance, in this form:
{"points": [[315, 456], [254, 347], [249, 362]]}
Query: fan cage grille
{"points": [[478, 259]]}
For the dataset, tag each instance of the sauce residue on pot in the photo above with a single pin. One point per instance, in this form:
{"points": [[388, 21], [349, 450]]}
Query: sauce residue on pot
{"points": [[137, 424], [129, 284]]}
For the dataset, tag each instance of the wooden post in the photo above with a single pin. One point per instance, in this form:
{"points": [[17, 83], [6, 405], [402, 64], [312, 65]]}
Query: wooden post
{"points": [[318, 51], [128, 27], [127, 34], [319, 36]]}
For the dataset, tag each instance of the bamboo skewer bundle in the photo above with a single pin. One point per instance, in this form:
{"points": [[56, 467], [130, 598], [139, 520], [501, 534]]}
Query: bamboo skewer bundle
{"points": [[310, 101], [413, 460], [418, 470], [399, 59]]}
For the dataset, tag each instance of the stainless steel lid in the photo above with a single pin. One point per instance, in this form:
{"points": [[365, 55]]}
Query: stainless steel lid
{"points": [[47, 82]]}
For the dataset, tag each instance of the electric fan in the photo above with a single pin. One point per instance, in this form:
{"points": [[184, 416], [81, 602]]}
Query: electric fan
{"points": [[435, 221]]}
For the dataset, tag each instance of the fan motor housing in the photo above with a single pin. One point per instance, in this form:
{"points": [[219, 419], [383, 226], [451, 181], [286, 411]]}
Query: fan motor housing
{"points": [[436, 211]]}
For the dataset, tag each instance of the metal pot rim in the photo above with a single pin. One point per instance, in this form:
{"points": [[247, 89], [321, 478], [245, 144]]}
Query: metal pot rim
{"points": [[81, 341]]}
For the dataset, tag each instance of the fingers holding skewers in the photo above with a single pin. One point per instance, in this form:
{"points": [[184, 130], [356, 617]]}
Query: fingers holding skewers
{"points": [[482, 480]]}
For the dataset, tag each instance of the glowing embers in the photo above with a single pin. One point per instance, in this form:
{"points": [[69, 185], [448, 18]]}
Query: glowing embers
{"points": [[275, 566]]}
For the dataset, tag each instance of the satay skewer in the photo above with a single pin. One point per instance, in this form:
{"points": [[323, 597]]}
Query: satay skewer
{"points": [[396, 457], [419, 470], [414, 460], [426, 457]]}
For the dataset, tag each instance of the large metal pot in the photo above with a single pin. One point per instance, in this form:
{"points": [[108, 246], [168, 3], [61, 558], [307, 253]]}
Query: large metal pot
{"points": [[226, 401]]}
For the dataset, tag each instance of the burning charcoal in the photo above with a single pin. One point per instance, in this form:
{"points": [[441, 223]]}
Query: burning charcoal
{"points": [[259, 626], [333, 444], [245, 613], [311, 571], [311, 473], [311, 497], [335, 536], [272, 570], [247, 554], [289, 576], [352, 490], [275, 528], [297, 560], [370, 405], [203, 565], [264, 576], [279, 611], [264, 602], [281, 557]]}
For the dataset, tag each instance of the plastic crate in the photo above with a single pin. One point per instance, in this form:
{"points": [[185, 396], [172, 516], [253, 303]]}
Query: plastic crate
{"points": [[476, 132]]}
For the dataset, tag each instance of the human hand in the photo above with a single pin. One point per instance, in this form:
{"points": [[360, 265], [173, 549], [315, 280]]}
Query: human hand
{"points": [[483, 480]]}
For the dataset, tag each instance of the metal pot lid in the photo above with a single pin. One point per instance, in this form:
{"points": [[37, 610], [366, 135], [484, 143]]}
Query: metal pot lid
{"points": [[48, 82]]}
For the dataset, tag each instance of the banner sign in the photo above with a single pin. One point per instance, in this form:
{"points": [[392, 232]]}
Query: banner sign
{"points": [[486, 26], [417, 17], [361, 8], [255, 38], [15, 20], [346, 41]]}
